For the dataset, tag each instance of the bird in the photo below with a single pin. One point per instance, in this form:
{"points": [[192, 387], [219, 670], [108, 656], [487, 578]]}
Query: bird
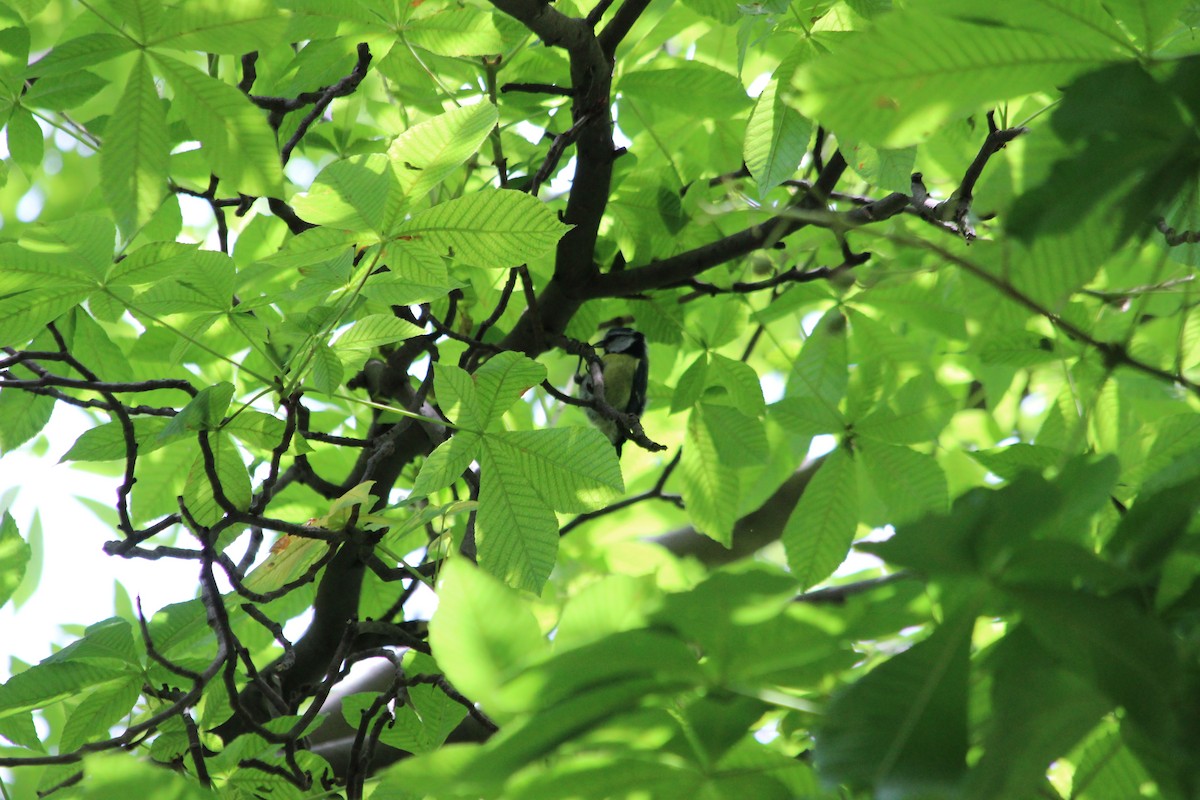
{"points": [[626, 371]]}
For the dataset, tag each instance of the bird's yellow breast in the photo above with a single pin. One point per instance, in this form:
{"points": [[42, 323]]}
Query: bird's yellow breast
{"points": [[619, 370]]}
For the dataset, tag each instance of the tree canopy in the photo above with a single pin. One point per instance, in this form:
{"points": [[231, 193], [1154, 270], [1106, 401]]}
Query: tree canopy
{"points": [[911, 510]]}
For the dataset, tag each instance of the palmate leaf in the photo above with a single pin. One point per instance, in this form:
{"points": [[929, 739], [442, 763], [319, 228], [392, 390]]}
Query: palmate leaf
{"points": [[236, 139], [133, 161], [490, 228], [915, 69]]}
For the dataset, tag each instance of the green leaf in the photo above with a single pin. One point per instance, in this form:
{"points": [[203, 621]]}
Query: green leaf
{"points": [[14, 557], [1040, 711], [26, 143], [237, 142], [25, 414], [542, 733], [820, 371], [871, 87], [44, 685], [515, 529], [24, 314], [776, 139], [417, 275], [199, 492], [33, 565], [488, 228], [483, 633], [256, 428], [910, 483], [98, 711], [901, 730], [914, 414], [740, 440], [133, 161], [107, 442], [108, 642], [374, 330], [423, 723], [1123, 122], [716, 9], [436, 147], [327, 369], [91, 344], [503, 380], [62, 92], [1148, 19], [144, 17], [14, 53], [20, 730], [447, 462], [85, 241], [110, 776], [711, 488], [213, 26], [150, 263], [1123, 652], [41, 268], [807, 416], [458, 397], [79, 53], [738, 384], [468, 31], [677, 86], [691, 384], [350, 194], [821, 528], [887, 169], [571, 469], [204, 412]]}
